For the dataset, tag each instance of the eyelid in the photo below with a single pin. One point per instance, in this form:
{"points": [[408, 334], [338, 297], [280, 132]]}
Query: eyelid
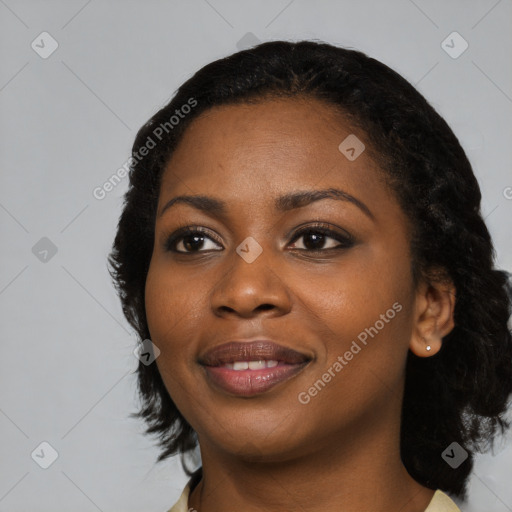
{"points": [[323, 227], [176, 236]]}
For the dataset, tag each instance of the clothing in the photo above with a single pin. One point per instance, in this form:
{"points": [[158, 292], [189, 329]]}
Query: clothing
{"points": [[440, 502]]}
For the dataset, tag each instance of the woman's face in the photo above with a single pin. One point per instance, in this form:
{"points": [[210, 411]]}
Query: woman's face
{"points": [[254, 274]]}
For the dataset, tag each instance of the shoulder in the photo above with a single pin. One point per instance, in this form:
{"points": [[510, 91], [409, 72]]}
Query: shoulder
{"points": [[441, 502], [182, 504]]}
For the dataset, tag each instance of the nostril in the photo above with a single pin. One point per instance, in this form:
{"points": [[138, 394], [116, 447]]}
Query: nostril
{"points": [[228, 309], [264, 307]]}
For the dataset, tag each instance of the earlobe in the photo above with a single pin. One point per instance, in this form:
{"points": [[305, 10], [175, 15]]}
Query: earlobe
{"points": [[435, 306], [424, 348]]}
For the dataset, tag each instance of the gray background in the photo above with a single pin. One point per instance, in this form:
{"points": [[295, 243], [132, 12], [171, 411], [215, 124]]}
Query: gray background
{"points": [[67, 124]]}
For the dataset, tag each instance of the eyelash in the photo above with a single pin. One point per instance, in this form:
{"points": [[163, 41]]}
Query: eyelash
{"points": [[345, 241]]}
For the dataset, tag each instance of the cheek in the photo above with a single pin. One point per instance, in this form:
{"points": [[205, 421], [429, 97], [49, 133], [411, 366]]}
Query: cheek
{"points": [[173, 309], [350, 296], [361, 312]]}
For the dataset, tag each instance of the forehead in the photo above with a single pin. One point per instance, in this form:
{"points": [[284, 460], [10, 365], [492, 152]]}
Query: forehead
{"points": [[274, 139]]}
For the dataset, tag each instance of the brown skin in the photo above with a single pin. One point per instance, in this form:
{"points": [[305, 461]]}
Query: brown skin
{"points": [[339, 452]]}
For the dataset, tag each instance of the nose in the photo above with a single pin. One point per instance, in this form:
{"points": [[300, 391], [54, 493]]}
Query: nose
{"points": [[251, 289]]}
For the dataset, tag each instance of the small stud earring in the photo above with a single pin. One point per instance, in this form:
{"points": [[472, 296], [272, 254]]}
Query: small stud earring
{"points": [[428, 347]]}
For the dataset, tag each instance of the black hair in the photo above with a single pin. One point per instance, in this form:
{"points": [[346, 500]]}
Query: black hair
{"points": [[460, 394]]}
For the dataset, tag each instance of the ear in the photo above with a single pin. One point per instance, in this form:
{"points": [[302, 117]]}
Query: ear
{"points": [[434, 309]]}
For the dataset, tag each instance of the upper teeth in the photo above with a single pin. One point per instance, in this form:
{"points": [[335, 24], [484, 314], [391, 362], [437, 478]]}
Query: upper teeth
{"points": [[251, 365]]}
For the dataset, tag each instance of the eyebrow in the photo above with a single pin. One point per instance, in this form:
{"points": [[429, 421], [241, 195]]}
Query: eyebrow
{"points": [[283, 203]]}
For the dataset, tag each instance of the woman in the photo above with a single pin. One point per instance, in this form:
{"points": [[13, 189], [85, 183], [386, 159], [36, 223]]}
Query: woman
{"points": [[302, 242]]}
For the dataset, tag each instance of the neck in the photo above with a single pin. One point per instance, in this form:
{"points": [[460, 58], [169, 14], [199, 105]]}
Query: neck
{"points": [[364, 473]]}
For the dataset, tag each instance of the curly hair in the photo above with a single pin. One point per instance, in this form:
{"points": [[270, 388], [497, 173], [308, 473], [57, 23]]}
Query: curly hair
{"points": [[460, 394]]}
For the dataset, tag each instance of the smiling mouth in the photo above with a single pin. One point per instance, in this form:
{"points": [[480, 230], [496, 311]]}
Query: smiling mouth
{"points": [[245, 369]]}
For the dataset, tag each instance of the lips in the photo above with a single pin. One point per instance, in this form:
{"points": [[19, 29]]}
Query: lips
{"points": [[249, 368]]}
